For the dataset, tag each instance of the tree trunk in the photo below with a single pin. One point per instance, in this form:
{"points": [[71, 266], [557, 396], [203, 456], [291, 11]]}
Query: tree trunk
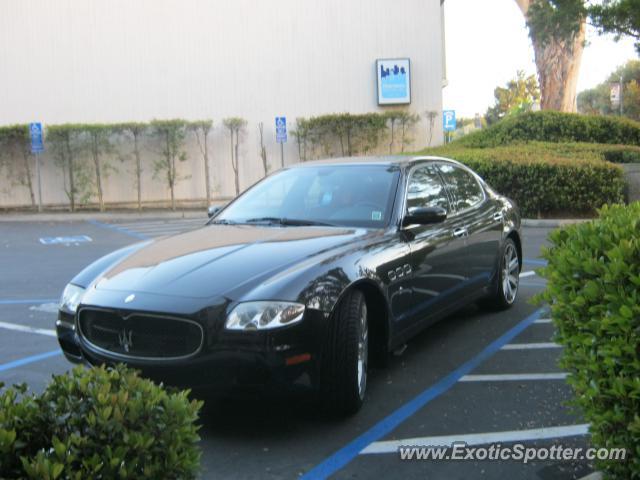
{"points": [[207, 179], [237, 166], [558, 65], [72, 188], [27, 168], [136, 152], [96, 163]]}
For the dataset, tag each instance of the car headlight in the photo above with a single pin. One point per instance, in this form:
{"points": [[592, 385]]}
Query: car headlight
{"points": [[71, 297], [264, 315]]}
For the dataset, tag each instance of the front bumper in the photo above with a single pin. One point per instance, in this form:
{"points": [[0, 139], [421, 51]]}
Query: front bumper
{"points": [[287, 358]]}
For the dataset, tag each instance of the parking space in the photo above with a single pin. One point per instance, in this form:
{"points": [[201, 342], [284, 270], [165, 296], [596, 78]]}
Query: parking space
{"points": [[475, 376]]}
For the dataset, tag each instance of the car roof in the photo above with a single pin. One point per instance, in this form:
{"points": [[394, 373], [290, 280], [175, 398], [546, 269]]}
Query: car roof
{"points": [[398, 160]]}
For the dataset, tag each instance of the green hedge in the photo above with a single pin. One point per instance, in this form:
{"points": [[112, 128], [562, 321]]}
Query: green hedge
{"points": [[593, 275], [551, 126], [544, 180], [98, 423]]}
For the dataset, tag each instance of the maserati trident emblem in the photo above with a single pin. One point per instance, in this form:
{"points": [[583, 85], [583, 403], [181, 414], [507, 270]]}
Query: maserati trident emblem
{"points": [[130, 298], [124, 338]]}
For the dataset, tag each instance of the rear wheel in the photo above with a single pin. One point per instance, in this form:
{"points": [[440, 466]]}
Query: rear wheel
{"points": [[508, 279], [346, 357]]}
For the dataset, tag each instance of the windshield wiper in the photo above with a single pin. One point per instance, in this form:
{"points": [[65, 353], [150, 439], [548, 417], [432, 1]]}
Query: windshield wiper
{"points": [[289, 222]]}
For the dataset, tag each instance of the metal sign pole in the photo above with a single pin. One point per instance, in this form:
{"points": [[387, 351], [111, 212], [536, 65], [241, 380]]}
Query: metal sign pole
{"points": [[621, 95], [39, 182], [282, 154]]}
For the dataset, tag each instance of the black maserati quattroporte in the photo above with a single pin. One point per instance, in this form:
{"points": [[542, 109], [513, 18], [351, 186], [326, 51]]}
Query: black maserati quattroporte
{"points": [[302, 280]]}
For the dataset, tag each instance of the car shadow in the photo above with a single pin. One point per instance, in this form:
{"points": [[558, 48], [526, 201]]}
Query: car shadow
{"points": [[264, 415]]}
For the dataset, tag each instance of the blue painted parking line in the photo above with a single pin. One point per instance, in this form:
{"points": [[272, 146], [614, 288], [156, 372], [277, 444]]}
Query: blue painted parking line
{"points": [[29, 301], [27, 360], [342, 457], [535, 261], [116, 228]]}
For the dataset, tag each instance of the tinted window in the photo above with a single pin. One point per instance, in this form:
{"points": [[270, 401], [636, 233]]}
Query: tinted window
{"points": [[348, 195], [464, 187], [426, 190]]}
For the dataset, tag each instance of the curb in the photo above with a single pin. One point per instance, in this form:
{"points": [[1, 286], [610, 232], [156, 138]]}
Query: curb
{"points": [[552, 223], [195, 213], [593, 476], [104, 216]]}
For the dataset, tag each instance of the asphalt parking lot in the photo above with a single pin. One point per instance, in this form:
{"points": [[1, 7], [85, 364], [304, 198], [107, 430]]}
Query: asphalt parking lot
{"points": [[472, 377]]}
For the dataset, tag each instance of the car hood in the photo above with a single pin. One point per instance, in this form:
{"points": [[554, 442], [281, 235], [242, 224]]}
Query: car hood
{"points": [[214, 259]]}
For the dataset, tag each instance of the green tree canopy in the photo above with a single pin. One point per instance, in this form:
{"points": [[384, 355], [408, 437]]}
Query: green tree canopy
{"points": [[517, 96], [620, 17], [597, 100]]}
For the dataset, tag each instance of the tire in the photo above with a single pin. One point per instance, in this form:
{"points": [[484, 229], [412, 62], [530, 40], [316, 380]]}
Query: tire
{"points": [[346, 356], [505, 291]]}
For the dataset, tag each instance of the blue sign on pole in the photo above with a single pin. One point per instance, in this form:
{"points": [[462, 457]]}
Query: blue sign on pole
{"points": [[35, 130], [449, 120], [281, 129]]}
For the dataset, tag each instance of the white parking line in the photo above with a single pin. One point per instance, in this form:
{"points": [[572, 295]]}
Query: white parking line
{"points": [[513, 377], [391, 446], [543, 320], [27, 329], [530, 346], [527, 274]]}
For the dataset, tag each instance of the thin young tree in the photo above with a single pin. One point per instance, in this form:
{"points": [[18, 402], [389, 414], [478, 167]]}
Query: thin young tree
{"points": [[99, 139], [235, 126], [263, 150], [136, 131], [15, 142], [431, 117], [406, 120], [172, 135], [201, 130]]}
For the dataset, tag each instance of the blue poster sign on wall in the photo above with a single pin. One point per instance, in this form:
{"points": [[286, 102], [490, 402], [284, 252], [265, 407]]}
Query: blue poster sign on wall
{"points": [[394, 81]]}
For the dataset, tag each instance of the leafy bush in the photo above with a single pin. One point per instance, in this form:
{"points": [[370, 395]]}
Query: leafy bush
{"points": [[548, 126], [594, 291], [98, 423], [544, 179], [622, 155]]}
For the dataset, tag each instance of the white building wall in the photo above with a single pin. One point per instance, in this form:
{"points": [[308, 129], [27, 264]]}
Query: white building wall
{"points": [[78, 61]]}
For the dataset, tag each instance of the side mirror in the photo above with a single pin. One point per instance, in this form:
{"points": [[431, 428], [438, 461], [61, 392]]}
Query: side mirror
{"points": [[213, 210], [424, 216]]}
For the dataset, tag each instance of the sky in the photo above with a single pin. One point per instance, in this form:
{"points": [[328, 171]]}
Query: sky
{"points": [[487, 42]]}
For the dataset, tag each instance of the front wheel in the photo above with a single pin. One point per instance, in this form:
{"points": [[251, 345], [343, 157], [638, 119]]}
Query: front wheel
{"points": [[346, 357], [508, 279]]}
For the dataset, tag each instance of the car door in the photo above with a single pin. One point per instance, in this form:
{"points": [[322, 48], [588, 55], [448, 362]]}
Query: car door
{"points": [[480, 216], [439, 271]]}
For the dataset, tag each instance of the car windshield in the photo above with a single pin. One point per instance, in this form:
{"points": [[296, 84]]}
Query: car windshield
{"points": [[344, 195]]}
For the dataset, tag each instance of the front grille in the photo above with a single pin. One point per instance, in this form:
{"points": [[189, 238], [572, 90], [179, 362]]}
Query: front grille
{"points": [[145, 336]]}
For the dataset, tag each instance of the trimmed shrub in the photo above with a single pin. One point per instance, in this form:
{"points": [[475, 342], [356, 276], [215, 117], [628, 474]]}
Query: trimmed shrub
{"points": [[544, 180], [622, 155], [593, 275], [98, 423], [554, 127]]}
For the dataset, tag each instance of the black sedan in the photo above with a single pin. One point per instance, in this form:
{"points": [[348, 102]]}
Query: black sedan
{"points": [[302, 280]]}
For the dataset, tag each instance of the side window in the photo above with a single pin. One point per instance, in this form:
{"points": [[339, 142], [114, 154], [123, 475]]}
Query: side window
{"points": [[426, 190], [465, 189]]}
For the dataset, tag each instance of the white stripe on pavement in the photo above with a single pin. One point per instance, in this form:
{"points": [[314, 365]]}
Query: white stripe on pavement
{"points": [[530, 346], [513, 377], [543, 320], [27, 329], [391, 446], [527, 274]]}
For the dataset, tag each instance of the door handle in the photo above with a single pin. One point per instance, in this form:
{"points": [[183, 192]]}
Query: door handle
{"points": [[460, 232], [498, 217]]}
